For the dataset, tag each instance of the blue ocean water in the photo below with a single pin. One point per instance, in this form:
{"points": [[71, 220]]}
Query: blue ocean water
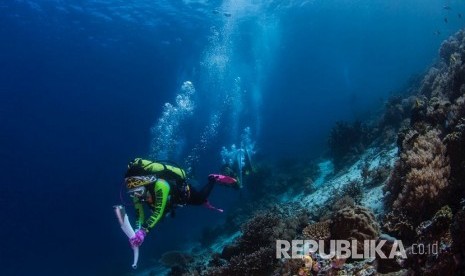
{"points": [[84, 85]]}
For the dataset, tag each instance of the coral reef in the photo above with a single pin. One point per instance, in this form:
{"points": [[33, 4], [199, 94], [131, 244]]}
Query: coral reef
{"points": [[423, 191], [317, 231], [430, 171], [265, 186], [421, 176], [353, 189], [435, 238], [396, 223], [253, 253], [376, 176], [347, 196], [334, 204], [434, 229], [396, 110], [354, 223]]}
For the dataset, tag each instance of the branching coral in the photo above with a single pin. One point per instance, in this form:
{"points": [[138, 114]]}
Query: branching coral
{"points": [[317, 231], [354, 190]]}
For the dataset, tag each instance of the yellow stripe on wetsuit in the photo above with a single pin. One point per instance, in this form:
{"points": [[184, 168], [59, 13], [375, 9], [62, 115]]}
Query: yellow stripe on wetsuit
{"points": [[162, 190]]}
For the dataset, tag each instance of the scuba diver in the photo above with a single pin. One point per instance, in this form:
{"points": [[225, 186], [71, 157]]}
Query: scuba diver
{"points": [[163, 187], [237, 164]]}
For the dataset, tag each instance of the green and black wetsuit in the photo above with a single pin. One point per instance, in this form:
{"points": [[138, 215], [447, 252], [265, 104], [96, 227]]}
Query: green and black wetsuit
{"points": [[168, 190]]}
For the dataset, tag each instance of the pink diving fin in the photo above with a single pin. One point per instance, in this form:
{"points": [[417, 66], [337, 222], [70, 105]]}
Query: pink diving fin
{"points": [[223, 179], [211, 207]]}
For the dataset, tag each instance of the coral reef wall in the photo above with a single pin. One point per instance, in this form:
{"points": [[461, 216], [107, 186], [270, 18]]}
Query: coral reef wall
{"points": [[424, 194], [430, 169]]}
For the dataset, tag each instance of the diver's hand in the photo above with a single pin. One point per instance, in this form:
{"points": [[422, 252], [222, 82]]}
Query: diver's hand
{"points": [[138, 238]]}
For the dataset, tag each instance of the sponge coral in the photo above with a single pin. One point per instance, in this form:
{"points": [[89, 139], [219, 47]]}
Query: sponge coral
{"points": [[420, 177]]}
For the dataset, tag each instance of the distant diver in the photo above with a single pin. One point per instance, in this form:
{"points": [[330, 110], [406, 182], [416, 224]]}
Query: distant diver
{"points": [[227, 14], [240, 167], [163, 187], [459, 15], [445, 19]]}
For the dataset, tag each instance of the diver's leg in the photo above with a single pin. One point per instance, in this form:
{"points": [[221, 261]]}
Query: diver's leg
{"points": [[200, 197]]}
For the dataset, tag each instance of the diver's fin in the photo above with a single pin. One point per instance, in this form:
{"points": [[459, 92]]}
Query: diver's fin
{"points": [[222, 179], [211, 207]]}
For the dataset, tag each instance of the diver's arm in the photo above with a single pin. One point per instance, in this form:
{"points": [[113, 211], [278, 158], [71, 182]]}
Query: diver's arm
{"points": [[162, 190], [139, 212]]}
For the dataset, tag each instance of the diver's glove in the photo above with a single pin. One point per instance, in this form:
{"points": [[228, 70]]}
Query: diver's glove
{"points": [[138, 238]]}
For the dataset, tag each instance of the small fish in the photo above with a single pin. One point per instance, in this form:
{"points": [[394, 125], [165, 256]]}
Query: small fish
{"points": [[215, 11], [445, 19], [437, 32], [446, 7], [227, 14]]}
